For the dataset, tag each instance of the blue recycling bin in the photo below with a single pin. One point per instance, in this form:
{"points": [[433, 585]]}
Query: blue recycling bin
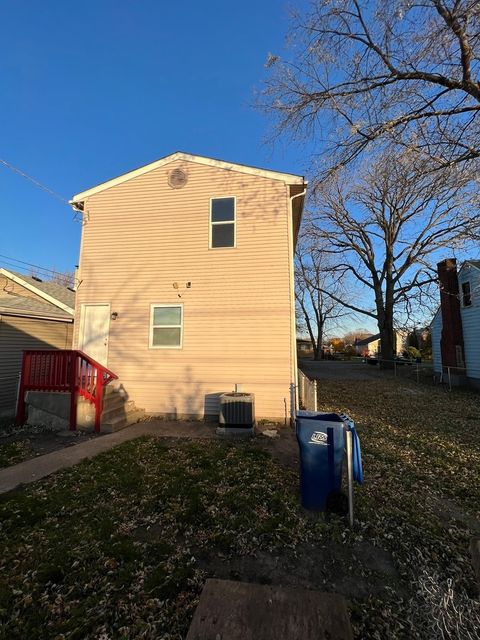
{"points": [[321, 441]]}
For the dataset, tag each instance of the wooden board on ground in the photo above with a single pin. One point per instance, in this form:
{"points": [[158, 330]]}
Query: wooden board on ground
{"points": [[242, 611]]}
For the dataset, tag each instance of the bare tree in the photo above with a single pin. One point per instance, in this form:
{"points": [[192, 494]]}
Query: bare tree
{"points": [[313, 277], [65, 278], [388, 226], [370, 71], [358, 334]]}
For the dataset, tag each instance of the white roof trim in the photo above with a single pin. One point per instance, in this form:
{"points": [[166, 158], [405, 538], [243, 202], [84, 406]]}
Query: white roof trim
{"points": [[288, 178], [470, 264], [39, 292], [35, 315], [435, 315]]}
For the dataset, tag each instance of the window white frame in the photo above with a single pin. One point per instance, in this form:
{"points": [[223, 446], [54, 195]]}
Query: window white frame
{"points": [[156, 305], [234, 222]]}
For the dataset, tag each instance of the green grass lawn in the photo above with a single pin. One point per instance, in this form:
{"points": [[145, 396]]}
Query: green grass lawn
{"points": [[14, 452], [421, 500], [113, 548], [109, 546], [12, 449]]}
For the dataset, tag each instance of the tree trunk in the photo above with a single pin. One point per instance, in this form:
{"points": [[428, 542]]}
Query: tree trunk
{"points": [[387, 343], [318, 351], [318, 344], [387, 338], [385, 317]]}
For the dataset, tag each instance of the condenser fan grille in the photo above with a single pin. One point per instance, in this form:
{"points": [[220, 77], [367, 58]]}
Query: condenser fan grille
{"points": [[177, 178]]}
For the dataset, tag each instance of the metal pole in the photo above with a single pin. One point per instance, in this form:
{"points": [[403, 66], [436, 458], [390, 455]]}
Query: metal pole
{"points": [[449, 379], [348, 438], [18, 392], [315, 401], [418, 373], [292, 404]]}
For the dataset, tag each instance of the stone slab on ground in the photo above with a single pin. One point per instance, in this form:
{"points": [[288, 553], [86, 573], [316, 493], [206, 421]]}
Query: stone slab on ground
{"points": [[244, 611]]}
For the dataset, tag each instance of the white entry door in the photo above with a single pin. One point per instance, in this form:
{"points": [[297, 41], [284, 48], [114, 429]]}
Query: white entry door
{"points": [[95, 329]]}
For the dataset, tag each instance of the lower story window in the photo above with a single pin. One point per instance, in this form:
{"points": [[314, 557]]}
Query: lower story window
{"points": [[466, 294], [166, 326]]}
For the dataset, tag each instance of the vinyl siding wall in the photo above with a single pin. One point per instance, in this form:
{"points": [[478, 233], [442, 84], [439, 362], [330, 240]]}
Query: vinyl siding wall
{"points": [[142, 236], [436, 330], [9, 288], [471, 321], [17, 335]]}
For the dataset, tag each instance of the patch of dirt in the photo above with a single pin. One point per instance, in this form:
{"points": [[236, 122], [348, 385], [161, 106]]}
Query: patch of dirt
{"points": [[449, 511], [283, 449], [41, 442], [150, 533], [355, 572]]}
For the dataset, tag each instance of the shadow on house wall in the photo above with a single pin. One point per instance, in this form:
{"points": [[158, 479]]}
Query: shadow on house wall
{"points": [[45, 334]]}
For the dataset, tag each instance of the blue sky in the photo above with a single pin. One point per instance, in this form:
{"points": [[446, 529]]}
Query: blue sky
{"points": [[93, 89]]}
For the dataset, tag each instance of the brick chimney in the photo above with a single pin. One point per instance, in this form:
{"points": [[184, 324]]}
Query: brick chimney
{"points": [[451, 342]]}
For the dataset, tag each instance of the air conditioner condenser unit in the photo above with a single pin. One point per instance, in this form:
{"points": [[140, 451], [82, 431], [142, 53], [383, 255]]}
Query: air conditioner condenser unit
{"points": [[237, 410]]}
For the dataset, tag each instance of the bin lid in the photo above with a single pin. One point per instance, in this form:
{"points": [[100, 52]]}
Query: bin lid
{"points": [[236, 394], [315, 415]]}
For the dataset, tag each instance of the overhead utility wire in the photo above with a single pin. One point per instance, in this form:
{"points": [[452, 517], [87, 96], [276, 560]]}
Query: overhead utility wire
{"points": [[29, 264], [28, 270], [35, 182], [9, 263]]}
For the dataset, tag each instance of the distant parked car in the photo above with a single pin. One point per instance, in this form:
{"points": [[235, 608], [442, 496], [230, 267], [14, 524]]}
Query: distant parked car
{"points": [[403, 361]]}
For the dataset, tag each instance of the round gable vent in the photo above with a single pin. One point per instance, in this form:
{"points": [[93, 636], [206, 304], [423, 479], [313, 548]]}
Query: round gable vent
{"points": [[177, 178]]}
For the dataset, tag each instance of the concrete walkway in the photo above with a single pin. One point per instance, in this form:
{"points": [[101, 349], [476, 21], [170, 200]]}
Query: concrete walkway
{"points": [[43, 466]]}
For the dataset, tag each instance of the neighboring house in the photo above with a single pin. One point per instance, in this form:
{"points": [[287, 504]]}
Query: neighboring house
{"points": [[456, 325], [304, 348], [370, 346], [186, 283], [34, 314]]}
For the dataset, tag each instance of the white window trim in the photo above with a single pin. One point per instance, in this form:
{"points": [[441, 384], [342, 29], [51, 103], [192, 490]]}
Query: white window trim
{"points": [[156, 305], [234, 222]]}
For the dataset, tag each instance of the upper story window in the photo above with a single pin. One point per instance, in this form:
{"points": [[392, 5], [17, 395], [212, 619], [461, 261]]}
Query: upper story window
{"points": [[466, 294], [166, 326], [222, 222]]}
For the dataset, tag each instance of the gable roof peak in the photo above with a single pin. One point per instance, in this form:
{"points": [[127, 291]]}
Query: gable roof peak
{"points": [[56, 294], [472, 263], [288, 178]]}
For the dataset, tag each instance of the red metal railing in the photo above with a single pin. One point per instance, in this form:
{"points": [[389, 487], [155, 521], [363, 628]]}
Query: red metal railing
{"points": [[64, 371]]}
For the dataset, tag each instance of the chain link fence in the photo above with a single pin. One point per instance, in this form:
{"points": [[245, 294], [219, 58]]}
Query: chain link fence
{"points": [[424, 372], [360, 368]]}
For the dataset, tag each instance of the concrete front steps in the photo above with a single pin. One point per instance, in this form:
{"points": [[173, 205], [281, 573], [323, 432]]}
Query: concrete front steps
{"points": [[53, 409], [118, 412]]}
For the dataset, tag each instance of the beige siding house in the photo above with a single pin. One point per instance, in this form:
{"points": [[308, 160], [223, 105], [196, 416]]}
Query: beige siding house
{"points": [[371, 346], [34, 314], [186, 283]]}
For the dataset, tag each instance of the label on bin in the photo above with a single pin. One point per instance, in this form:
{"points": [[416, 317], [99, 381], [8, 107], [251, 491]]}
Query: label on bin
{"points": [[318, 437]]}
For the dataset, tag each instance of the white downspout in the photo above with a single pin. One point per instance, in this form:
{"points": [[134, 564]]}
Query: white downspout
{"points": [[293, 328]]}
